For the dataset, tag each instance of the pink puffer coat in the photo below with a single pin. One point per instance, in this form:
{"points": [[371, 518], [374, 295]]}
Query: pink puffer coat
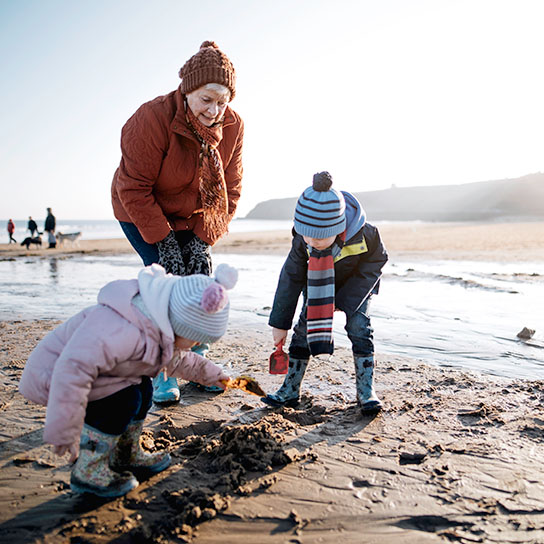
{"points": [[99, 351]]}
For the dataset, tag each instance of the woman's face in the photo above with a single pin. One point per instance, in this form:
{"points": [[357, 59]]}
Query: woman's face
{"points": [[208, 103]]}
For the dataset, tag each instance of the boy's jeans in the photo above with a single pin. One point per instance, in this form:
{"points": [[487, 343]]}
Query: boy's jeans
{"points": [[357, 327]]}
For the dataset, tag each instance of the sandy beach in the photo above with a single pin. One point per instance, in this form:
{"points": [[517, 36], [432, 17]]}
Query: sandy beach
{"points": [[454, 457], [499, 242]]}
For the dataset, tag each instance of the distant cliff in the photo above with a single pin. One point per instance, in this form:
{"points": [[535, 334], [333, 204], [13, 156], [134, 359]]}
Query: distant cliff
{"points": [[520, 198]]}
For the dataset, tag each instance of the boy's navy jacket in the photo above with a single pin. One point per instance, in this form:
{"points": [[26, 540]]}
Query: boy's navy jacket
{"points": [[357, 271]]}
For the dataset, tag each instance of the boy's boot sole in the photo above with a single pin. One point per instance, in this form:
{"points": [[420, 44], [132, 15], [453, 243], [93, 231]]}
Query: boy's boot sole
{"points": [[290, 403]]}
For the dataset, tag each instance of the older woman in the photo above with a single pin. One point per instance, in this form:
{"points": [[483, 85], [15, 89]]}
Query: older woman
{"points": [[179, 180]]}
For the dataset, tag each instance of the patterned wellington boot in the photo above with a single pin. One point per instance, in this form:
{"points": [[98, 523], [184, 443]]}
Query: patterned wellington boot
{"points": [[129, 455], [165, 390], [364, 376], [202, 349], [92, 473], [288, 394]]}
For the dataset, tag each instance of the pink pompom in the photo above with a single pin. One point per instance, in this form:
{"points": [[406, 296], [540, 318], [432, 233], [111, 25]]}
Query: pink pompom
{"points": [[214, 298]]}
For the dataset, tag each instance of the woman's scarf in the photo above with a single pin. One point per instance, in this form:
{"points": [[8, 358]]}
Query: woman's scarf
{"points": [[320, 298], [213, 187]]}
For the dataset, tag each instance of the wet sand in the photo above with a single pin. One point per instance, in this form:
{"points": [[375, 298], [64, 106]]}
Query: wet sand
{"points": [[454, 457]]}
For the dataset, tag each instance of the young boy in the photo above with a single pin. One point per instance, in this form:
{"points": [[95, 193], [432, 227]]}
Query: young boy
{"points": [[335, 260]]}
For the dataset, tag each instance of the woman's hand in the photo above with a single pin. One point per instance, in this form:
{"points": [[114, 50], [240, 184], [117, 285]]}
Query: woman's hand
{"points": [[279, 335], [197, 255], [170, 257], [71, 448]]}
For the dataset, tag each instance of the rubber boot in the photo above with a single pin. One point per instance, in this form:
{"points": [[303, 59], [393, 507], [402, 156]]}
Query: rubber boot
{"points": [[165, 390], [129, 455], [288, 394], [202, 349], [364, 379], [92, 473]]}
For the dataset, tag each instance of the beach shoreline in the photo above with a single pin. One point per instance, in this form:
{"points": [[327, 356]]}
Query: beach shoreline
{"points": [[441, 241]]}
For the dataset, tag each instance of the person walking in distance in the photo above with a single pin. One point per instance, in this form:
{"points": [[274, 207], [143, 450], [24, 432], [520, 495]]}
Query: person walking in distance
{"points": [[49, 227], [32, 227], [11, 230]]}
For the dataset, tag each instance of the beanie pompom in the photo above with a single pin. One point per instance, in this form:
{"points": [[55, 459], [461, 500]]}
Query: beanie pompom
{"points": [[208, 43], [226, 275], [322, 181], [214, 298]]}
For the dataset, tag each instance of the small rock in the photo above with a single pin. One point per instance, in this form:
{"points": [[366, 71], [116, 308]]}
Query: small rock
{"points": [[412, 458], [526, 333]]}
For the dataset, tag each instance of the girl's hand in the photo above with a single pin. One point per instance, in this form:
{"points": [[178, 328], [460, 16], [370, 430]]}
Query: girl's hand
{"points": [[279, 335], [72, 449], [222, 380]]}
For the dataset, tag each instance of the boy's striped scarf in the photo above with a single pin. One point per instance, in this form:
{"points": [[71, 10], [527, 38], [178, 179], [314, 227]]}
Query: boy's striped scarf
{"points": [[320, 302]]}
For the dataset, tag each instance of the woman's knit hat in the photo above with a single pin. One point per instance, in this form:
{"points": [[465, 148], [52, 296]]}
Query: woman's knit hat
{"points": [[320, 211], [209, 65], [198, 308]]}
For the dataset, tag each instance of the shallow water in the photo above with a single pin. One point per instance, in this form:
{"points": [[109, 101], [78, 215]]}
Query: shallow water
{"points": [[460, 314]]}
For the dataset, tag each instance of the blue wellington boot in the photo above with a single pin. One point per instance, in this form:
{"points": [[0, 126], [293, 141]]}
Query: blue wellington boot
{"points": [[367, 399], [165, 390], [288, 394]]}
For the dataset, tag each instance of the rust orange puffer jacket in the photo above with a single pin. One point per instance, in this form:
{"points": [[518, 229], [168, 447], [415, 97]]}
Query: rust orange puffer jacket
{"points": [[156, 186]]}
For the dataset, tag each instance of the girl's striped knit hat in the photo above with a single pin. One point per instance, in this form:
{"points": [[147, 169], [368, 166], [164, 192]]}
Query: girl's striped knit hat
{"points": [[198, 307], [320, 210]]}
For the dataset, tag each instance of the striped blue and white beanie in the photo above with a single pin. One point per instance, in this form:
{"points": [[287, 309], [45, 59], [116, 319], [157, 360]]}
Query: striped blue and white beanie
{"points": [[321, 210], [198, 308]]}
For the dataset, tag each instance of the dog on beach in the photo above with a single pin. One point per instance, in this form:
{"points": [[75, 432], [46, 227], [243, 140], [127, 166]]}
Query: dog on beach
{"points": [[37, 241], [72, 237]]}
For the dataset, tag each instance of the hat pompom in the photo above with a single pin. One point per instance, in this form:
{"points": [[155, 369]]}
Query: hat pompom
{"points": [[214, 298], [226, 275], [208, 43], [322, 181]]}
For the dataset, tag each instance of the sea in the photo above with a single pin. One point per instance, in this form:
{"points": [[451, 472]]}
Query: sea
{"points": [[100, 229], [458, 314]]}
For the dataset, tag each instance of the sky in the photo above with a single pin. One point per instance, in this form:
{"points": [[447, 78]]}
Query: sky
{"points": [[379, 93]]}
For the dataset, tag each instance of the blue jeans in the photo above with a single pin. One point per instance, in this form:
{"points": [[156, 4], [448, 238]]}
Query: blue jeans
{"points": [[113, 414], [358, 329], [148, 252]]}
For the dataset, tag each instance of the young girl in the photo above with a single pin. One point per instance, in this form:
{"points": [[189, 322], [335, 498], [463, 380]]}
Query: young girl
{"points": [[94, 371]]}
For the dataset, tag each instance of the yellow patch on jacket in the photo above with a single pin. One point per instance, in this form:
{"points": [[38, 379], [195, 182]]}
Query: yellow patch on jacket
{"points": [[353, 249]]}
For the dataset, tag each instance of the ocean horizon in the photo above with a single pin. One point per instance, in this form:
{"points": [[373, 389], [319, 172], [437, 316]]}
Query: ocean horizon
{"points": [[100, 229]]}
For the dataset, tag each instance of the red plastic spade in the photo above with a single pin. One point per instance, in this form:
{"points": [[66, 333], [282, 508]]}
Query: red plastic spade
{"points": [[279, 360]]}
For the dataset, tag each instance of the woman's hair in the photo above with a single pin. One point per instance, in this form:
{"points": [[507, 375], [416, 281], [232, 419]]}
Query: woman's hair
{"points": [[217, 87]]}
